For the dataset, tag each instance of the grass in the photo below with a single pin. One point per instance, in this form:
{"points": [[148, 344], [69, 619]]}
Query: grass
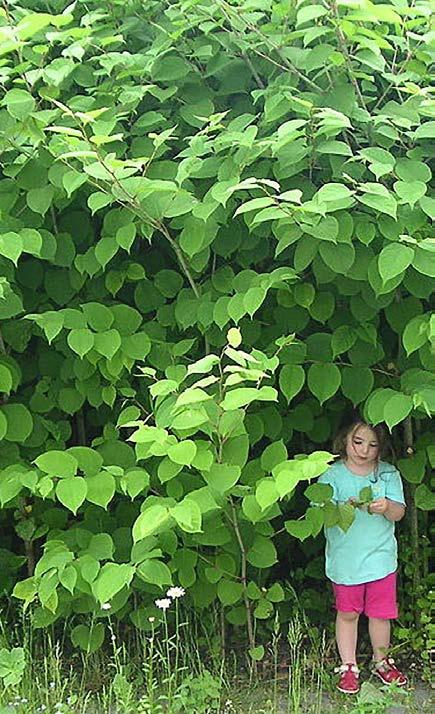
{"points": [[372, 700], [163, 670]]}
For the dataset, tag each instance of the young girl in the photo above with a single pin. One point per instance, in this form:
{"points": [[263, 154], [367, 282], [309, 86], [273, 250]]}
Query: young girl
{"points": [[362, 562]]}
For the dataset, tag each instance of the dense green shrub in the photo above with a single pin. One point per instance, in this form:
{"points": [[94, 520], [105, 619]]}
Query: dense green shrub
{"points": [[171, 171]]}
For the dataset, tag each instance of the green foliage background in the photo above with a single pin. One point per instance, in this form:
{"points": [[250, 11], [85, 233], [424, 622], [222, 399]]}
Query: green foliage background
{"points": [[171, 170]]}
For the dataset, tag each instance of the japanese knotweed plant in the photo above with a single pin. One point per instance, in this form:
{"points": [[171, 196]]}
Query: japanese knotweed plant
{"points": [[170, 171], [208, 496]]}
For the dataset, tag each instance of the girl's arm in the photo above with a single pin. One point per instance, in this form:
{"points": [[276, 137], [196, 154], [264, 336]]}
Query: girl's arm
{"points": [[392, 510]]}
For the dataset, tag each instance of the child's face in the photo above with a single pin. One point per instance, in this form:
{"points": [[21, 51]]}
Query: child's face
{"points": [[362, 446]]}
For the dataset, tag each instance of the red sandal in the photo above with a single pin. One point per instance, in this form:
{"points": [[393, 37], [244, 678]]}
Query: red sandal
{"points": [[349, 678], [388, 673]]}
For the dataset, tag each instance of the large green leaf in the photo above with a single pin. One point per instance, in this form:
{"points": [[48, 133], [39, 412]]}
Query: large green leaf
{"points": [[299, 529], [19, 103], [415, 334], [57, 463], [19, 422], [187, 515], [107, 343], [324, 380], [243, 396], [229, 592], [410, 191], [98, 316], [378, 197], [6, 380], [136, 346], [319, 492], [424, 258], [357, 383], [81, 341], [71, 492], [222, 477], [397, 408], [155, 572], [291, 380], [183, 453], [39, 199], [425, 130], [150, 521], [273, 455], [137, 480], [262, 554], [11, 246], [394, 259], [413, 468], [100, 488], [343, 338], [89, 461], [424, 498], [111, 579], [266, 493], [10, 486], [89, 639]]}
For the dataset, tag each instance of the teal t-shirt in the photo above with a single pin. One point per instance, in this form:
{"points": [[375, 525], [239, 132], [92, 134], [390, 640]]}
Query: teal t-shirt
{"points": [[368, 550]]}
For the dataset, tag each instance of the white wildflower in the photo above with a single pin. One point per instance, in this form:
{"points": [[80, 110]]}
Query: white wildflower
{"points": [[163, 604], [151, 619], [52, 685], [175, 592], [106, 606]]}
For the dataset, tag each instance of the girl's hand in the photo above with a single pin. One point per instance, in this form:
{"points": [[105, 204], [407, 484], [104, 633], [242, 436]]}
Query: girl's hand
{"points": [[379, 506]]}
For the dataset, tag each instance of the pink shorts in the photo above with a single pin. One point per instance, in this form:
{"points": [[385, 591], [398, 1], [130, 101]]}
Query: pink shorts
{"points": [[374, 599]]}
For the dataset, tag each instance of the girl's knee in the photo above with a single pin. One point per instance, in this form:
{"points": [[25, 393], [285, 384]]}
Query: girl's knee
{"points": [[348, 616]]}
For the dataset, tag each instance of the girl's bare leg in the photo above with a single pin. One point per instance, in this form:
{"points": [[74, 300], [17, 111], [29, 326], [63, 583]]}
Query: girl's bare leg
{"points": [[379, 631], [346, 633]]}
